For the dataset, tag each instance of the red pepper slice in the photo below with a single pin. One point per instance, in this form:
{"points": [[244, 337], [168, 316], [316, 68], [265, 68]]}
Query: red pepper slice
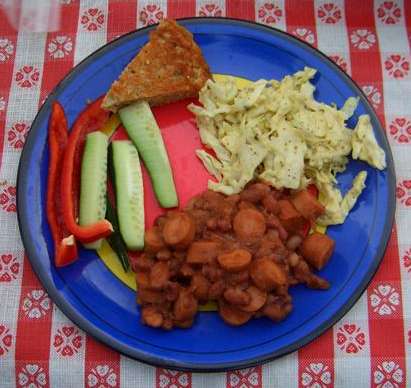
{"points": [[65, 248], [312, 189], [91, 119]]}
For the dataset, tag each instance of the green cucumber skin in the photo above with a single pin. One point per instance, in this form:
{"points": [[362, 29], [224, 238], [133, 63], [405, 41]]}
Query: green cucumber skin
{"points": [[115, 239], [93, 187], [128, 182], [143, 130]]}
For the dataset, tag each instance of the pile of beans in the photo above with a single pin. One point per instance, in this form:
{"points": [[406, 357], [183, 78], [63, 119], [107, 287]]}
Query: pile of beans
{"points": [[243, 251]]}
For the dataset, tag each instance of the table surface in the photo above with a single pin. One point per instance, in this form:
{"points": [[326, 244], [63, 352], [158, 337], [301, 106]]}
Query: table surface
{"points": [[370, 346]]}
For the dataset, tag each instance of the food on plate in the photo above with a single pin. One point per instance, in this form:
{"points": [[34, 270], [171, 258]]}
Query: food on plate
{"points": [[65, 248], [242, 250], [317, 249], [93, 183], [364, 145], [170, 67], [275, 153], [128, 184], [276, 131], [143, 130], [91, 119]]}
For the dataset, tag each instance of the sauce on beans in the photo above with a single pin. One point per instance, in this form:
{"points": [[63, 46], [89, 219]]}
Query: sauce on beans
{"points": [[244, 251]]}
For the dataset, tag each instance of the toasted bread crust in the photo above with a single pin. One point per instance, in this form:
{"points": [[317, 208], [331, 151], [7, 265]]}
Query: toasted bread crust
{"points": [[168, 68]]}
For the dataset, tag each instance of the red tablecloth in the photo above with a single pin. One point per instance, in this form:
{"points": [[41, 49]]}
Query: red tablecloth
{"points": [[370, 346]]}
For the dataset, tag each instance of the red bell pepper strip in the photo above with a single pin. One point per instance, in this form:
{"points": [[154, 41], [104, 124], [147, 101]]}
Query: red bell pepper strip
{"points": [[312, 189], [65, 248], [91, 119]]}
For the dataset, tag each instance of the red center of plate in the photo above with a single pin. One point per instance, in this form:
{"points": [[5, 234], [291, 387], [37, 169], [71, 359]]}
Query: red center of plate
{"points": [[181, 138]]}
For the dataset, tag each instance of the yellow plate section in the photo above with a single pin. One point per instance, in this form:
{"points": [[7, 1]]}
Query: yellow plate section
{"points": [[112, 262], [106, 253]]}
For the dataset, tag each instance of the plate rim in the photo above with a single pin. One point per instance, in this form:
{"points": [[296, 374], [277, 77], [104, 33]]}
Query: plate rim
{"points": [[157, 361]]}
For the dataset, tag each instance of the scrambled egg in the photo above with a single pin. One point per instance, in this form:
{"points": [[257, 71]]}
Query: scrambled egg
{"points": [[276, 131]]}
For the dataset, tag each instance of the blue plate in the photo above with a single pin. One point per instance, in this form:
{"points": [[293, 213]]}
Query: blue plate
{"points": [[105, 308]]}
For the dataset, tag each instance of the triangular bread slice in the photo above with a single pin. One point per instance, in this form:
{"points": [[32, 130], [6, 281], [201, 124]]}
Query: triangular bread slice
{"points": [[168, 68]]}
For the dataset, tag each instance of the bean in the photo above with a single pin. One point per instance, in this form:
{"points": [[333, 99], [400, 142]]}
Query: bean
{"points": [[224, 224], [294, 242], [232, 315], [269, 244], [293, 259], [236, 296], [273, 221], [143, 263], [276, 311], [271, 204], [159, 275], [200, 286], [167, 323], [172, 290], [151, 316], [147, 295], [255, 192], [211, 224], [163, 254], [303, 273], [185, 306], [237, 278], [153, 241], [257, 299], [186, 271], [216, 290], [142, 279], [212, 272]]}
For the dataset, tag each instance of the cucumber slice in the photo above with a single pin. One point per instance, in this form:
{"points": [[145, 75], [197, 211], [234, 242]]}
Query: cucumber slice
{"points": [[93, 187], [143, 130], [128, 182]]}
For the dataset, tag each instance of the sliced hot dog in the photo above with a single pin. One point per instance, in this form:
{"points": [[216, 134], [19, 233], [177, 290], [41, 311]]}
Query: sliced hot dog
{"points": [[179, 230], [249, 224], [317, 249], [290, 217], [307, 205], [159, 275], [235, 261], [201, 252], [257, 299], [185, 307]]}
